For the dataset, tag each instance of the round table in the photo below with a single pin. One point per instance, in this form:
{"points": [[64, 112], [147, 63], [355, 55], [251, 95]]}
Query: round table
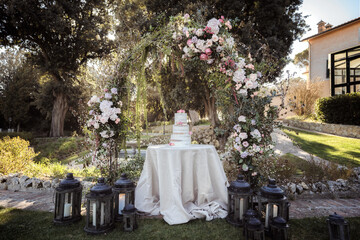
{"points": [[182, 183]]}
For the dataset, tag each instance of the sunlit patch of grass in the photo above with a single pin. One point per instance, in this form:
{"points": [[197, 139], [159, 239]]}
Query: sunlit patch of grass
{"points": [[341, 150]]}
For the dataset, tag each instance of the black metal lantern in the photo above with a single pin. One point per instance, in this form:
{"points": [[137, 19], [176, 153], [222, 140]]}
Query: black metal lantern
{"points": [[130, 219], [99, 208], [279, 229], [239, 200], [250, 213], [254, 230], [272, 203], [124, 194], [68, 201], [338, 227]]}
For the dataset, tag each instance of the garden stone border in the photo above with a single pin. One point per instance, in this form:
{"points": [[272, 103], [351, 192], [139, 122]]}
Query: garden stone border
{"points": [[294, 190], [336, 129], [17, 182], [326, 189]]}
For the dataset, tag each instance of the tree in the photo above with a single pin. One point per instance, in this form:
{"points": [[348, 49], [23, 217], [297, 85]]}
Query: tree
{"points": [[267, 27], [61, 36], [302, 58]]}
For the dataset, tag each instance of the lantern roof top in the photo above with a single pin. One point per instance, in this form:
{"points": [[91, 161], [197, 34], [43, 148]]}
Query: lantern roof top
{"points": [[272, 191], [69, 182], [101, 187], [337, 218], [279, 222], [240, 185], [129, 208], [254, 224], [124, 182]]}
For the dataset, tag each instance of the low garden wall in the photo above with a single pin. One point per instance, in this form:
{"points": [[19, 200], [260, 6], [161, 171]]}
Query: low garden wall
{"points": [[336, 129]]}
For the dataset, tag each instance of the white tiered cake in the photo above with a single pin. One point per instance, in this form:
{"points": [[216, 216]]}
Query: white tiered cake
{"points": [[180, 136]]}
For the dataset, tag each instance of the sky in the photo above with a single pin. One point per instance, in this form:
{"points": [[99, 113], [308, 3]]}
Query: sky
{"points": [[334, 12]]}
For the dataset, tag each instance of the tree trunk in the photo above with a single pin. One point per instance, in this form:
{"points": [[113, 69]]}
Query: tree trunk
{"points": [[58, 115], [210, 108]]}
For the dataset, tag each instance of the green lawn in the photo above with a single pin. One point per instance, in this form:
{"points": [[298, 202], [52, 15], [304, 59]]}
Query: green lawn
{"points": [[20, 224], [341, 150]]}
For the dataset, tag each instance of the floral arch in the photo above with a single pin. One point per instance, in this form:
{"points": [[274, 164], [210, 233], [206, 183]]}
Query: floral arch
{"points": [[236, 85]]}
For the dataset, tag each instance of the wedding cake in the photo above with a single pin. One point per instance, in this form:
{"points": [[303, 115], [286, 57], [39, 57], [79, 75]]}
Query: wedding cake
{"points": [[181, 135]]}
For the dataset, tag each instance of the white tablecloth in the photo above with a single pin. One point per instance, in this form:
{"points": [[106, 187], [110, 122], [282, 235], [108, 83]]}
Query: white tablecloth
{"points": [[182, 183]]}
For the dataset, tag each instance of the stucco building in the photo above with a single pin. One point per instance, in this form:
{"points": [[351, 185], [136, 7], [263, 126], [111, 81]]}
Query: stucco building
{"points": [[334, 57]]}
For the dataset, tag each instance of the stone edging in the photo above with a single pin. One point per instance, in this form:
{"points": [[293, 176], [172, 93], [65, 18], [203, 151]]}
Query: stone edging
{"points": [[336, 129], [18, 182]]}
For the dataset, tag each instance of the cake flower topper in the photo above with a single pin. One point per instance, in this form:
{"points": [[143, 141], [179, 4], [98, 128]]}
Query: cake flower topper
{"points": [[181, 111], [171, 144]]}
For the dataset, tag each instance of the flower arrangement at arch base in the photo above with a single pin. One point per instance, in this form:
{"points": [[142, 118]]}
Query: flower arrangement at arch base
{"points": [[108, 127], [240, 89]]}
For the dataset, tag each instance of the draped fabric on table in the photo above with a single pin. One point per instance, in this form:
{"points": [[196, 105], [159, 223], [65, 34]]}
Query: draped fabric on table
{"points": [[182, 183]]}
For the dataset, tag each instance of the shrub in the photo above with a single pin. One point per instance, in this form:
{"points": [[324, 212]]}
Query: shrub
{"points": [[302, 97], [24, 135], [341, 109], [15, 155]]}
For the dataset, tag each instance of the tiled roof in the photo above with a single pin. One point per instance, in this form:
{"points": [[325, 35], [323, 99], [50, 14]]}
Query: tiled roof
{"points": [[331, 29]]}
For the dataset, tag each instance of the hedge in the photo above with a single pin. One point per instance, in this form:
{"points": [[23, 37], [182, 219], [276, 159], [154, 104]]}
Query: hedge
{"points": [[24, 135], [340, 109]]}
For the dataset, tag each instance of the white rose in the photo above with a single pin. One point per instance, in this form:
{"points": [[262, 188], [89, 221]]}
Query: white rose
{"points": [[243, 92], [253, 77], [199, 32], [215, 38], [242, 118], [239, 76], [108, 95], [96, 125], [230, 42], [213, 24], [243, 135]]}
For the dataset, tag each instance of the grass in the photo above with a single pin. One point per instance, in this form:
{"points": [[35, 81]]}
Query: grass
{"points": [[64, 149], [21, 224], [341, 150]]}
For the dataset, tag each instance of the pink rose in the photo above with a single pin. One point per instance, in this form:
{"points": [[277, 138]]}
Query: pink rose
{"points": [[245, 144], [105, 90], [228, 24], [208, 51], [203, 56], [171, 144], [117, 120], [189, 42], [190, 133]]}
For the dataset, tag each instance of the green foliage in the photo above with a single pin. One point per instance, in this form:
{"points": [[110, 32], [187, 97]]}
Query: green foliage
{"points": [[341, 109], [57, 170], [132, 166], [60, 36], [302, 58], [15, 155]]}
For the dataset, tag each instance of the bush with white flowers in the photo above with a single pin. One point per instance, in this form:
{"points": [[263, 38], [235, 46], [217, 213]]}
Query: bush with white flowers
{"points": [[107, 125]]}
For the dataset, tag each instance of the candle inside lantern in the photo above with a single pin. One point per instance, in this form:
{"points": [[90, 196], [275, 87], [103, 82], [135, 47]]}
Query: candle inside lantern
{"points": [[241, 208], [267, 216], [121, 202], [94, 214], [275, 211], [102, 213], [67, 206]]}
